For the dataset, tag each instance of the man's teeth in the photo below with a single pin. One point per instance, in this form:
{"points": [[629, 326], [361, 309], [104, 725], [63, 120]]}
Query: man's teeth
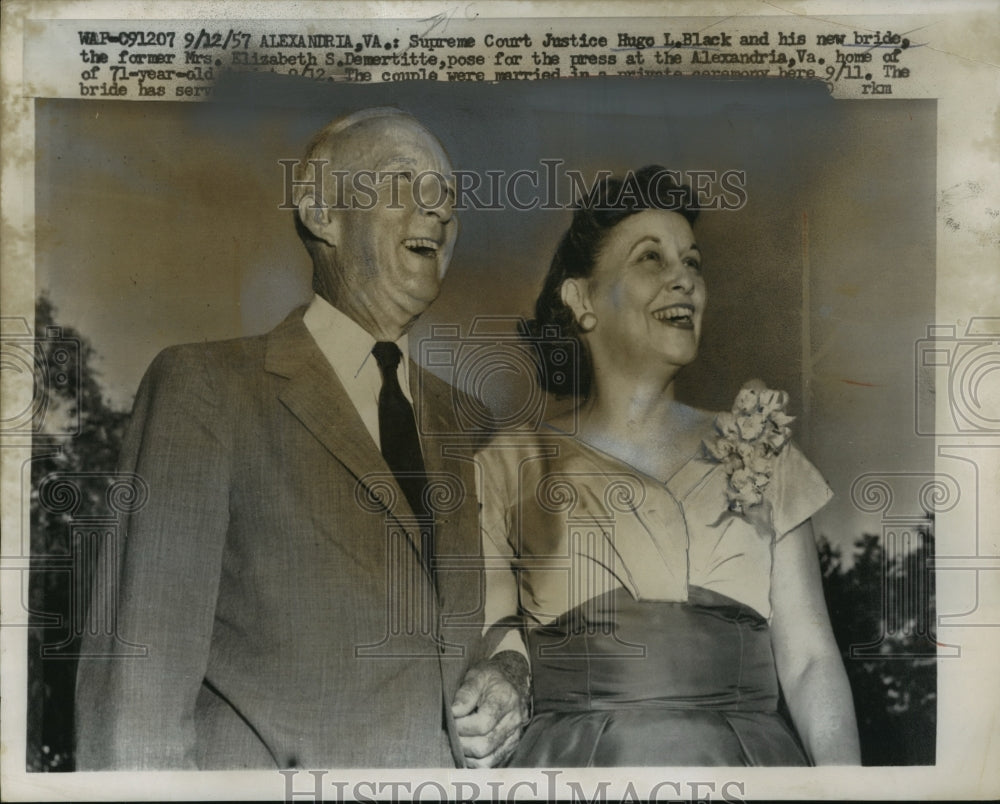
{"points": [[423, 246], [673, 314]]}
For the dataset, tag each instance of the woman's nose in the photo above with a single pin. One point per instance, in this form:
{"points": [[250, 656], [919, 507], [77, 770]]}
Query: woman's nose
{"points": [[679, 275]]}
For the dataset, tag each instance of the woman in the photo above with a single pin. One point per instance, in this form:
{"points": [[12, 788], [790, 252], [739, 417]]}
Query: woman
{"points": [[660, 558]]}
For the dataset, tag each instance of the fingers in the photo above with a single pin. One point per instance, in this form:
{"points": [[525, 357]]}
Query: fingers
{"points": [[484, 744], [466, 699], [495, 702], [490, 735], [489, 715], [482, 721], [498, 757]]}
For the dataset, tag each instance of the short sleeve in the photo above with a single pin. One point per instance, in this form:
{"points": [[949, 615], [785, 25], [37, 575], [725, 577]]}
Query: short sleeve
{"points": [[797, 490], [495, 503], [501, 605]]}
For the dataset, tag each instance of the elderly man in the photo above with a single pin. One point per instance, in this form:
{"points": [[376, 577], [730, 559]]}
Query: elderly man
{"points": [[283, 576]]}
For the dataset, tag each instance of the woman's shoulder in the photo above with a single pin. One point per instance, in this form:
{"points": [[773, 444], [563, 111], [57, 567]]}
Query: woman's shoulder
{"points": [[513, 463], [506, 449], [753, 444]]}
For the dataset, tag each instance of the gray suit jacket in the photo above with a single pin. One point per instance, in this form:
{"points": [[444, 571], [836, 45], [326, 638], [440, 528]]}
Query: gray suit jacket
{"points": [[273, 577]]}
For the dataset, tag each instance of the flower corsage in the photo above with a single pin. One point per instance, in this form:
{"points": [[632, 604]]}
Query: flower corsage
{"points": [[747, 441]]}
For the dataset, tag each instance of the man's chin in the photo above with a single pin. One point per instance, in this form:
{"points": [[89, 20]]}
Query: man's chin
{"points": [[416, 300], [423, 285]]}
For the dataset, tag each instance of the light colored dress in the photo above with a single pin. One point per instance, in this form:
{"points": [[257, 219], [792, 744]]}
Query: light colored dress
{"points": [[645, 603]]}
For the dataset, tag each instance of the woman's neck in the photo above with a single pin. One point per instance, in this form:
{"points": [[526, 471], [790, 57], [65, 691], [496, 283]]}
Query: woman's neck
{"points": [[641, 423], [627, 410]]}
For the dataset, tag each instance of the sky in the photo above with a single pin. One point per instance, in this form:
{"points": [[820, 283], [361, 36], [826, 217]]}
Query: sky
{"points": [[158, 223]]}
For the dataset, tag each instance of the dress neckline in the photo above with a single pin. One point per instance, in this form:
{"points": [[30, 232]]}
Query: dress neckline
{"points": [[667, 484]]}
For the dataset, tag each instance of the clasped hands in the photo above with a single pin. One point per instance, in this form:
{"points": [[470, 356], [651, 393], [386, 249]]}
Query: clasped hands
{"points": [[491, 709]]}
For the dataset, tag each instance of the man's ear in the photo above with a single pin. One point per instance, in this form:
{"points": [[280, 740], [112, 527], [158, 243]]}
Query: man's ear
{"points": [[574, 294], [321, 220]]}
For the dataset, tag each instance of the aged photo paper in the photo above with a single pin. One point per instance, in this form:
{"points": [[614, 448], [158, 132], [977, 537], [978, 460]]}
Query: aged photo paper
{"points": [[846, 159]]}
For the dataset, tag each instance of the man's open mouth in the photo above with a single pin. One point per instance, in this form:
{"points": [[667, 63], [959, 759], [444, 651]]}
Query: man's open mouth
{"points": [[676, 315], [422, 246]]}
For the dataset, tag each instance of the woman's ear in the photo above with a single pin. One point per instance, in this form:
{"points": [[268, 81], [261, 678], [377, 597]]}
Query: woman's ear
{"points": [[320, 220], [574, 295]]}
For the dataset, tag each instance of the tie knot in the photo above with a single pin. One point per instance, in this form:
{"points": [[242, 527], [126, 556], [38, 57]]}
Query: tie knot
{"points": [[387, 355]]}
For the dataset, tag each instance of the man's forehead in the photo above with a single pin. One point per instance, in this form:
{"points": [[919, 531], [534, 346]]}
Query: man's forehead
{"points": [[413, 163], [393, 143]]}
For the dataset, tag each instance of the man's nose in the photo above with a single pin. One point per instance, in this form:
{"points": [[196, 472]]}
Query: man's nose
{"points": [[436, 198], [443, 210]]}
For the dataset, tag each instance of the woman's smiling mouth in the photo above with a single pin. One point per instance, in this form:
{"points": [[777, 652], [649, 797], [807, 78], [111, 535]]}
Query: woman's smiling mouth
{"points": [[676, 315]]}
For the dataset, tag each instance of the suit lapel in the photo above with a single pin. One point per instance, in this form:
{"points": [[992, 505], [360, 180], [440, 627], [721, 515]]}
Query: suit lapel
{"points": [[317, 398]]}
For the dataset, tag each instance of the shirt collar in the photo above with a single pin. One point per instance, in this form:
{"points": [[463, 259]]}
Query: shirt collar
{"points": [[345, 343]]}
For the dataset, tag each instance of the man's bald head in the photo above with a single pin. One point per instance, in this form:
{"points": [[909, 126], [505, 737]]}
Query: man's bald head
{"points": [[345, 144], [382, 231]]}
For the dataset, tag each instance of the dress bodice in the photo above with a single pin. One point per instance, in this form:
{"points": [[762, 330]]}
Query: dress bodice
{"points": [[575, 523], [647, 600]]}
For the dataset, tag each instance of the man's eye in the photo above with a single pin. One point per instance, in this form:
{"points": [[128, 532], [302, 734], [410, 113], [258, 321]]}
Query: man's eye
{"points": [[691, 262], [400, 178], [650, 255]]}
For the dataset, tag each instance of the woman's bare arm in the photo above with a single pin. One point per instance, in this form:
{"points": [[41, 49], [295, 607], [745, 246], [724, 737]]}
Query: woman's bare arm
{"points": [[809, 664]]}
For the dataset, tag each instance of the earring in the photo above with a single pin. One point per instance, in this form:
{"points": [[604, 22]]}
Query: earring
{"points": [[587, 321]]}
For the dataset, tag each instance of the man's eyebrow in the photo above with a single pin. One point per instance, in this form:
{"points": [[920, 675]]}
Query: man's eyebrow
{"points": [[397, 162]]}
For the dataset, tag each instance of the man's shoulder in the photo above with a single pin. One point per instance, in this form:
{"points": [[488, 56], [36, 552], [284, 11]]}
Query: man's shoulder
{"points": [[232, 356], [227, 356]]}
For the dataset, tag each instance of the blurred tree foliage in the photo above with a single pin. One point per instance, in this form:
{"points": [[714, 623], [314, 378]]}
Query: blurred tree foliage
{"points": [[894, 684], [882, 606], [94, 449]]}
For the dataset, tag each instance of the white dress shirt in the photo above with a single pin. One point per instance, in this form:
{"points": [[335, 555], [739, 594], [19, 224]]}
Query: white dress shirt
{"points": [[348, 349]]}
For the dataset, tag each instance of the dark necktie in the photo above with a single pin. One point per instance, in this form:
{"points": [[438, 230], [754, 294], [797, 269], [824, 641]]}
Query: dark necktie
{"points": [[398, 429]]}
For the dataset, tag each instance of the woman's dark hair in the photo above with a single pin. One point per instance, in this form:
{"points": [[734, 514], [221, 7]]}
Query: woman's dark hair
{"points": [[564, 367]]}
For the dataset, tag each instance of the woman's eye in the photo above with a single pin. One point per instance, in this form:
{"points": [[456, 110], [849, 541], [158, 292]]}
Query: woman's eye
{"points": [[691, 262], [650, 255]]}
